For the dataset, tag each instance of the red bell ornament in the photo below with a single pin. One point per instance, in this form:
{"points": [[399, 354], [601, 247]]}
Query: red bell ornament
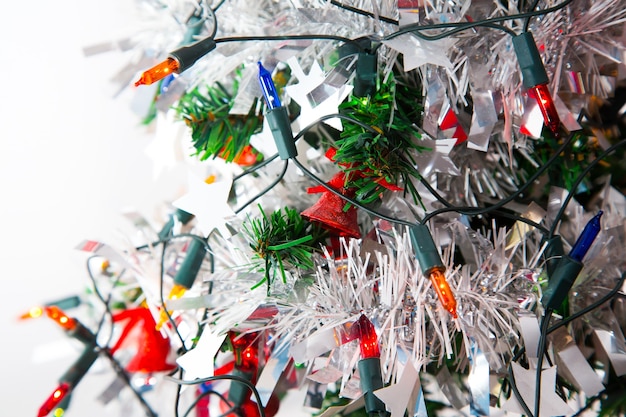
{"points": [[329, 209], [152, 347]]}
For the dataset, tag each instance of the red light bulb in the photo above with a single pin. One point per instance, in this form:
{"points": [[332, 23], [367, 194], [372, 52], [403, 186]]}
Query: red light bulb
{"points": [[371, 378], [551, 118], [70, 379], [368, 340], [535, 78], [55, 398]]}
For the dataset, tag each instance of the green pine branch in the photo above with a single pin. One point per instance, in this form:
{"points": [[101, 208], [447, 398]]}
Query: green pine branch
{"points": [[214, 131], [378, 161], [283, 240]]}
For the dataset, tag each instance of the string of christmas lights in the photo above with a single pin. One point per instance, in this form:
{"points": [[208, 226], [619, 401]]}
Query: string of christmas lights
{"points": [[429, 242]]}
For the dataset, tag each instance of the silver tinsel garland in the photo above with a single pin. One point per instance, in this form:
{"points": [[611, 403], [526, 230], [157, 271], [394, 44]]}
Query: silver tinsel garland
{"points": [[496, 273]]}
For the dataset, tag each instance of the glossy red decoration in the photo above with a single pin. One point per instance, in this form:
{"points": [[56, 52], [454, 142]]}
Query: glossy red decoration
{"points": [[450, 121], [329, 209], [55, 398], [202, 406], [152, 347], [368, 340], [246, 351], [251, 409], [247, 157]]}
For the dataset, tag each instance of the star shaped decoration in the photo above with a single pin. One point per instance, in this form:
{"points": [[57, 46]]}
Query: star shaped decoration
{"points": [[404, 395], [165, 150], [306, 83], [198, 362], [207, 201], [264, 140], [344, 409], [417, 52], [299, 92], [551, 403]]}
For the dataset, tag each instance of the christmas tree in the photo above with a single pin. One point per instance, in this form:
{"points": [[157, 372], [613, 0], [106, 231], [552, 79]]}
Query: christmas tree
{"points": [[393, 208]]}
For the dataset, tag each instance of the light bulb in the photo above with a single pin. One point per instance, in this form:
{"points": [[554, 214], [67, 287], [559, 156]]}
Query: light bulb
{"points": [[246, 351], [69, 380], [33, 313], [54, 399], [586, 238], [158, 72], [370, 375], [277, 117], [62, 319], [186, 274], [268, 87], [430, 262], [566, 271], [441, 287], [368, 340], [551, 118], [536, 79], [179, 60]]}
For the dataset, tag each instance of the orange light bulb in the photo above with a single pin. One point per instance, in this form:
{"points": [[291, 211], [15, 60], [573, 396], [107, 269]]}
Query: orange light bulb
{"points": [[158, 72], [56, 314], [441, 287], [177, 292], [33, 313]]}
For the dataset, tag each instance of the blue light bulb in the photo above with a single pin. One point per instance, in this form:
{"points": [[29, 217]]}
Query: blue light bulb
{"points": [[269, 90], [586, 238]]}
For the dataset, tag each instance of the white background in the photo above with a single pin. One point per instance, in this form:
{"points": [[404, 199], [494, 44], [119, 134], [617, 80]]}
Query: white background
{"points": [[71, 159]]}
